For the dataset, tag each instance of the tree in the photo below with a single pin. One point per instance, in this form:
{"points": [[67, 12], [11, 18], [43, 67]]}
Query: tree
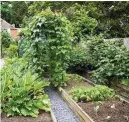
{"points": [[14, 12]]}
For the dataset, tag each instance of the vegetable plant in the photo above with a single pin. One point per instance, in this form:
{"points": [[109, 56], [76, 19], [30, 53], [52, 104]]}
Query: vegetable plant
{"points": [[22, 93], [50, 35], [74, 77], [97, 93]]}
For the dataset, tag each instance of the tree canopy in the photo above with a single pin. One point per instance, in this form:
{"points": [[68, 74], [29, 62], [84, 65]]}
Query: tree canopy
{"points": [[112, 16]]}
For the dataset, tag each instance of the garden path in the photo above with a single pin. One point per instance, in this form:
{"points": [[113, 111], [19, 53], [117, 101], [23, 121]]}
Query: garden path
{"points": [[61, 110]]}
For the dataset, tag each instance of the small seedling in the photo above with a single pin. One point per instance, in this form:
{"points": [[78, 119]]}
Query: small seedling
{"points": [[96, 109]]}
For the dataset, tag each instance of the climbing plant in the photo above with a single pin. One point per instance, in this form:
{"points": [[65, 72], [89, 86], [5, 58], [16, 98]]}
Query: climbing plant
{"points": [[51, 34]]}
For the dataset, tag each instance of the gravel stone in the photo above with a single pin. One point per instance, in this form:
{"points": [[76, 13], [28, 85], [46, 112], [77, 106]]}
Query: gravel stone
{"points": [[61, 110]]}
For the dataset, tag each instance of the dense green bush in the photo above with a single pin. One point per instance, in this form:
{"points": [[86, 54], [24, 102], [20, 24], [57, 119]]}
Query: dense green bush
{"points": [[82, 23], [77, 60], [114, 67], [5, 39], [97, 93], [110, 60], [25, 41], [51, 34], [21, 92]]}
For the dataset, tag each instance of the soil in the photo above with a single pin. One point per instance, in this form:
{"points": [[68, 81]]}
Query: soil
{"points": [[120, 113], [43, 117], [73, 84]]}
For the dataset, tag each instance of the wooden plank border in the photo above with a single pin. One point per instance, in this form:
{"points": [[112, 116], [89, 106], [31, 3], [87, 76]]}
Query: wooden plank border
{"points": [[53, 116], [83, 116]]}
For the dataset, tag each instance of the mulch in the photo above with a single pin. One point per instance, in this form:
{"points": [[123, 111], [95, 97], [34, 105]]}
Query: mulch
{"points": [[43, 117], [119, 113]]}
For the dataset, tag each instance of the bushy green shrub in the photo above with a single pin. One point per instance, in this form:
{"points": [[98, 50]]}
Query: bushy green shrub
{"points": [[22, 93], [50, 34], [115, 67], [77, 60], [5, 39], [12, 51], [82, 23], [110, 60], [97, 93]]}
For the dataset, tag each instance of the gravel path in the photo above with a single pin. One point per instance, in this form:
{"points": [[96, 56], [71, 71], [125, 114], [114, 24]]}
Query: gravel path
{"points": [[61, 110]]}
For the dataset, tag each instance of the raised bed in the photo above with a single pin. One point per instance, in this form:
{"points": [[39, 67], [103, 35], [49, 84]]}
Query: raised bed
{"points": [[43, 117], [86, 113], [75, 107]]}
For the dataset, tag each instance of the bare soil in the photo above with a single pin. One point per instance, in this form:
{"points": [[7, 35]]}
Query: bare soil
{"points": [[43, 117], [107, 114]]}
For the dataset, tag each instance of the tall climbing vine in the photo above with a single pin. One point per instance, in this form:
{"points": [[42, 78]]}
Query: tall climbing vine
{"points": [[51, 35]]}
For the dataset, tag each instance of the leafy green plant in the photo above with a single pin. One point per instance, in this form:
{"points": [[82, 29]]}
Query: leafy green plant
{"points": [[77, 60], [97, 93], [82, 23], [12, 51], [21, 92], [125, 82], [5, 39], [74, 77], [110, 60], [50, 35]]}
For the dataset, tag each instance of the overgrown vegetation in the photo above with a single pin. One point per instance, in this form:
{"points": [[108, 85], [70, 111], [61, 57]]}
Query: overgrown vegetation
{"points": [[97, 93]]}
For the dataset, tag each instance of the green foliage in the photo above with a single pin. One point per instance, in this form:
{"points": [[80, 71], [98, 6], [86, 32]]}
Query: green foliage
{"points": [[5, 39], [125, 82], [77, 60], [24, 43], [13, 11], [21, 92], [110, 22], [110, 60], [82, 23], [74, 77], [97, 93], [12, 51], [51, 34]]}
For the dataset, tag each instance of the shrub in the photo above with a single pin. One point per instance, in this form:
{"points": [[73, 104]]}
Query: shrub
{"points": [[82, 23], [50, 43], [77, 60], [109, 59], [113, 65], [5, 39], [97, 93], [21, 92]]}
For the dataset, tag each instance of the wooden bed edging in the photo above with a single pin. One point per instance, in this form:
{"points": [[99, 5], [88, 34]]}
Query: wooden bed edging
{"points": [[83, 116], [53, 116]]}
